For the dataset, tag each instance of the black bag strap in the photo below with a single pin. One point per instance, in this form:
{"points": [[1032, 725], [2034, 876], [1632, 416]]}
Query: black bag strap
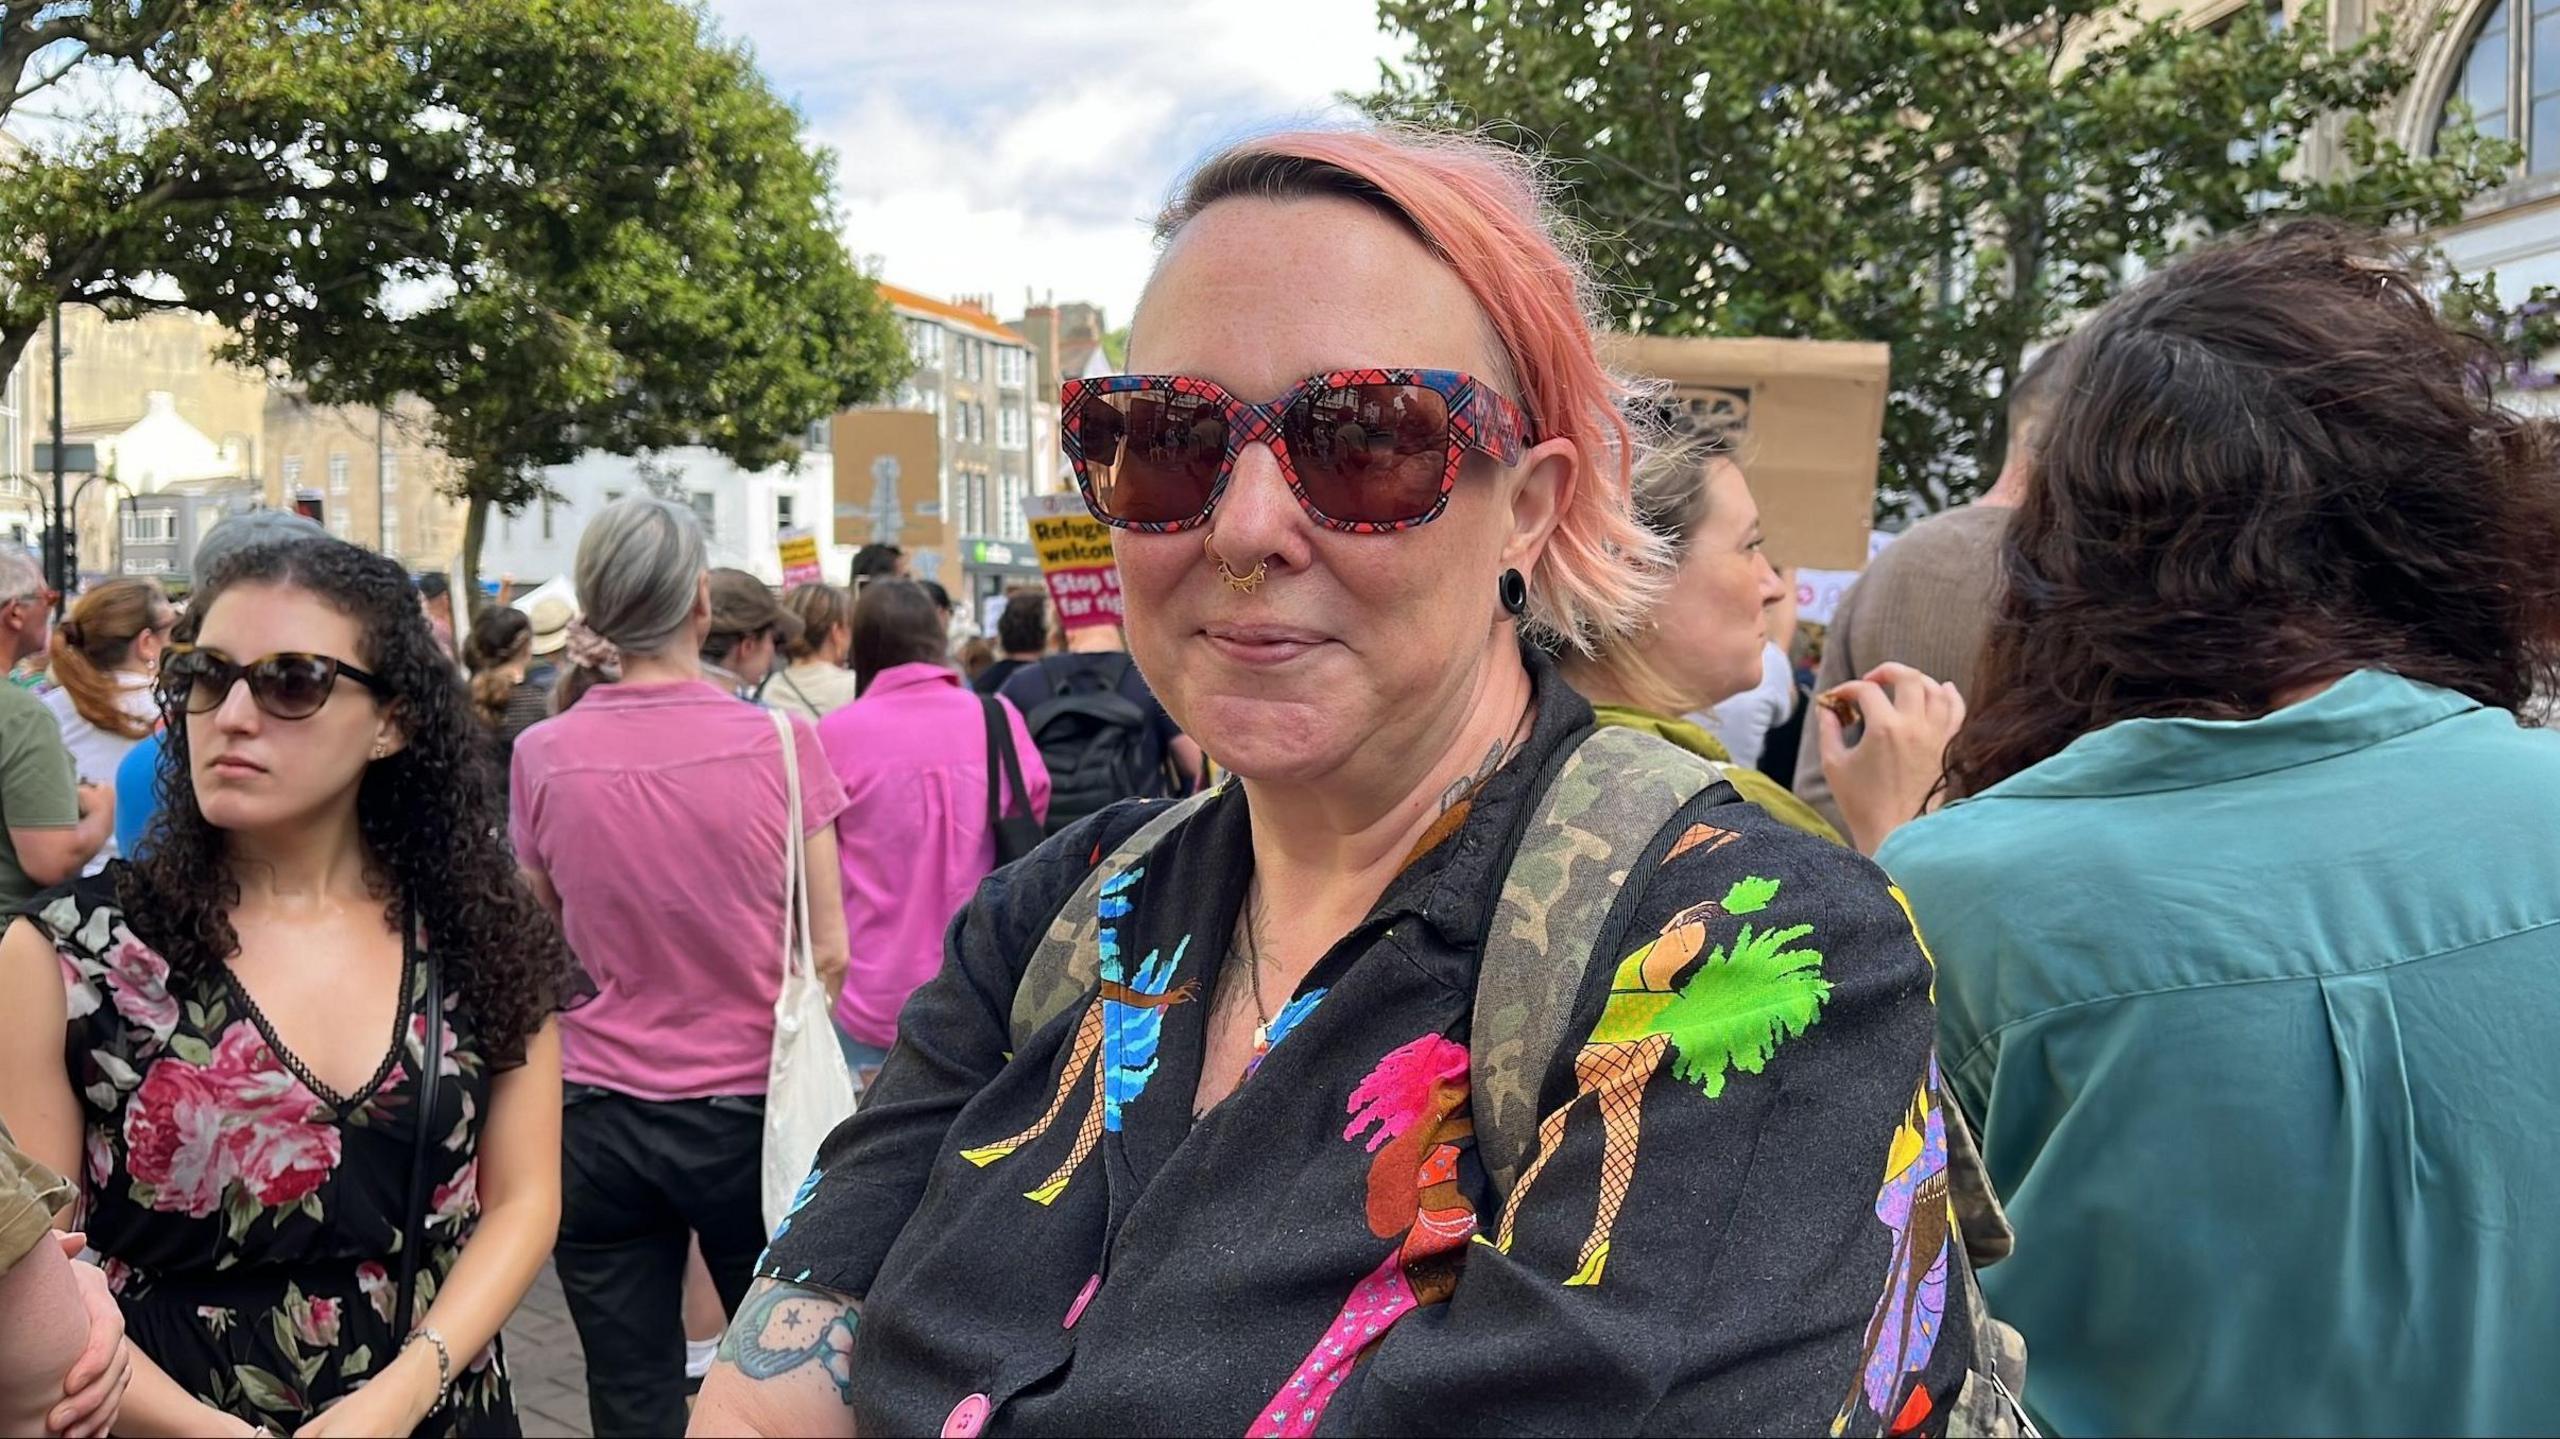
{"points": [[413, 1230], [1001, 756]]}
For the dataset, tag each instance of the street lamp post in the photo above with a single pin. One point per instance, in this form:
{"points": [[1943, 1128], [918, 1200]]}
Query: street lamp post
{"points": [[381, 491], [60, 578]]}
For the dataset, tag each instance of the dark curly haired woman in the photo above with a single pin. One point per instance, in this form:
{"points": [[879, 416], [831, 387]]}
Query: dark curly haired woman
{"points": [[2249, 933], [261, 1093]]}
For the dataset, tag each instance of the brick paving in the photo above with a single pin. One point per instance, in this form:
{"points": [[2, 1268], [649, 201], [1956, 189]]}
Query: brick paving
{"points": [[544, 1360]]}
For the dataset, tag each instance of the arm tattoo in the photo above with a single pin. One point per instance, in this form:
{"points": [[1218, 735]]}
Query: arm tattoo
{"points": [[1465, 785], [781, 1327]]}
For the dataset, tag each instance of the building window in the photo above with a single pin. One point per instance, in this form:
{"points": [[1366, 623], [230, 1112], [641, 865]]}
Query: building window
{"points": [[706, 508], [390, 473], [546, 534], [337, 476], [292, 475], [2511, 70], [338, 521], [818, 440], [391, 534], [150, 527], [782, 508], [1013, 367], [1016, 427]]}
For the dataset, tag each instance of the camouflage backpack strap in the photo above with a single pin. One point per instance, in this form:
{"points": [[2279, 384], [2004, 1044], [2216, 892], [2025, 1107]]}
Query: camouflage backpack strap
{"points": [[1598, 812], [1066, 962]]}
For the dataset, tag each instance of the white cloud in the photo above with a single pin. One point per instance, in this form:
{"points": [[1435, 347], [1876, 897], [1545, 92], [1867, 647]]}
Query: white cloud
{"points": [[1001, 146]]}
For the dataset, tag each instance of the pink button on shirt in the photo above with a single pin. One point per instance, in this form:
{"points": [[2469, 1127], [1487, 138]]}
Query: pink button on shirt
{"points": [[657, 812], [912, 753]]}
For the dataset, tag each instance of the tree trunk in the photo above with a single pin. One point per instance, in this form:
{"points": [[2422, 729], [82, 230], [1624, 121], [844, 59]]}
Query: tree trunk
{"points": [[475, 532], [14, 340]]}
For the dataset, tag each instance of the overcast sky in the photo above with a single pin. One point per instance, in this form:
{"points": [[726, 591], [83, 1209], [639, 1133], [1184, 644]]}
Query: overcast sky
{"points": [[998, 145]]}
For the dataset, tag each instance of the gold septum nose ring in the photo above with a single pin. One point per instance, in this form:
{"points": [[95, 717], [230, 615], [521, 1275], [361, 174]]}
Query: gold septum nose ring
{"points": [[1241, 584]]}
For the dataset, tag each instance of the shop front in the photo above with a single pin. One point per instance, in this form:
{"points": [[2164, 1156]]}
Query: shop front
{"points": [[989, 568]]}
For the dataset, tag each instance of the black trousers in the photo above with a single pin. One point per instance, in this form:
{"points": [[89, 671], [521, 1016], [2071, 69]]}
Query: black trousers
{"points": [[637, 1177]]}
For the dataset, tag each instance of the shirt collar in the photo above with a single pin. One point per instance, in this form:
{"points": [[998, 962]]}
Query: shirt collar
{"points": [[622, 694], [898, 678], [2147, 756]]}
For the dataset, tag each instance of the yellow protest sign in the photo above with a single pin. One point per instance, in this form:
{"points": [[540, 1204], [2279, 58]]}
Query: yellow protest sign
{"points": [[1075, 560]]}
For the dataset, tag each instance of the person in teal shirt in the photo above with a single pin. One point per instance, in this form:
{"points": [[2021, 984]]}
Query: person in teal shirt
{"points": [[2248, 933]]}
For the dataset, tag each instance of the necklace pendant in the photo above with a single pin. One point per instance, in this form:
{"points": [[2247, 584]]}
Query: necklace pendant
{"points": [[1262, 1036]]}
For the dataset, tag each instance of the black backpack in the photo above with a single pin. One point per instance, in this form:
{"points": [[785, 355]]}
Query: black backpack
{"points": [[1092, 738]]}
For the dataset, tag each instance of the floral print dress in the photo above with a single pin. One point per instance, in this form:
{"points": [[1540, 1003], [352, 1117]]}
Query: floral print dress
{"points": [[251, 1219]]}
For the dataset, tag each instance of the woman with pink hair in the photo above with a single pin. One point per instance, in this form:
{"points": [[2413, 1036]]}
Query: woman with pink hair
{"points": [[1455, 1066]]}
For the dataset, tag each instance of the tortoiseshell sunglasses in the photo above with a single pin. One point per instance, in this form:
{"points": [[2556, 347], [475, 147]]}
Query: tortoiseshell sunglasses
{"points": [[1365, 451]]}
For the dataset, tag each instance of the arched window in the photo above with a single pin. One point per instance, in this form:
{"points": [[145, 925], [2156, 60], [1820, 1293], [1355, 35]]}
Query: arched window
{"points": [[2510, 80]]}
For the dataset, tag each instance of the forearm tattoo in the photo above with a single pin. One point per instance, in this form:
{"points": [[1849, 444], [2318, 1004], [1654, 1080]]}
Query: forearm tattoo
{"points": [[782, 1327]]}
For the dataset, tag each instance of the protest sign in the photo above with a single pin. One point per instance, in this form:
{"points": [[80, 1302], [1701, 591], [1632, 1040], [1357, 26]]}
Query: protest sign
{"points": [[798, 549], [1804, 417], [1075, 560]]}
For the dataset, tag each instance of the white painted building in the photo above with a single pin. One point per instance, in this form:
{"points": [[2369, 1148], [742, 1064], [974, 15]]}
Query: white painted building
{"points": [[742, 512]]}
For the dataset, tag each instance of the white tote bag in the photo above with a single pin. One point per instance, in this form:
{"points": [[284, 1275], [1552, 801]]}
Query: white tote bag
{"points": [[808, 1090]]}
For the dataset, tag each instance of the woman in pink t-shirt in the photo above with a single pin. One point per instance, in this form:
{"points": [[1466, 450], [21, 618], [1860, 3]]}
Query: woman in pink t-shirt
{"points": [[912, 754], [651, 818]]}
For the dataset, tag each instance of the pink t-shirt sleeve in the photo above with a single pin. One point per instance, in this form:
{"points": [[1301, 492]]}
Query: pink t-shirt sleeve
{"points": [[526, 800], [1035, 775], [822, 795]]}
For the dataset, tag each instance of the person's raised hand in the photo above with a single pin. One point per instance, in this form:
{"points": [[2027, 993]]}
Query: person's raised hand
{"points": [[1890, 776]]}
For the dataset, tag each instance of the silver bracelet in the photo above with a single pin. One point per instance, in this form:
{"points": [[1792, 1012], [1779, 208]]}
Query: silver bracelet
{"points": [[444, 1363]]}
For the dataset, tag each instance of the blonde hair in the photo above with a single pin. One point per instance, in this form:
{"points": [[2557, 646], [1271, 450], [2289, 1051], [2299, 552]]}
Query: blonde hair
{"points": [[1483, 209], [821, 610], [96, 640], [1671, 501]]}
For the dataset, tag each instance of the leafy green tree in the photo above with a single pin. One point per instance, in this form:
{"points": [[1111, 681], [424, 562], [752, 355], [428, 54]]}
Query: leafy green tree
{"points": [[564, 224], [1958, 178]]}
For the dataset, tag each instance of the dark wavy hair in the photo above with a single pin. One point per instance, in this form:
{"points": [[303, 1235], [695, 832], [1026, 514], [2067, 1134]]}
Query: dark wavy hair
{"points": [[2270, 464], [431, 817]]}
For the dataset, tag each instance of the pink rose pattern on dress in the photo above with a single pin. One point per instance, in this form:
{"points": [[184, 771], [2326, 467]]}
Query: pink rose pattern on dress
{"points": [[199, 1140], [315, 1320], [374, 1282], [447, 1062], [79, 996], [192, 1132], [457, 1200], [138, 978]]}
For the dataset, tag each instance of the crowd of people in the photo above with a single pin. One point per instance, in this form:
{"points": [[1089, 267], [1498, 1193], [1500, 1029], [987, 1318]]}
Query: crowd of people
{"points": [[1424, 969]]}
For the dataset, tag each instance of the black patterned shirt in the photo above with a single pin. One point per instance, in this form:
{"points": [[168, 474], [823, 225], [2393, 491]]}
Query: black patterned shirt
{"points": [[1735, 1219]]}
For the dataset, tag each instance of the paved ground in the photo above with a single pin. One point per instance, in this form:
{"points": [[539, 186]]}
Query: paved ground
{"points": [[549, 1370]]}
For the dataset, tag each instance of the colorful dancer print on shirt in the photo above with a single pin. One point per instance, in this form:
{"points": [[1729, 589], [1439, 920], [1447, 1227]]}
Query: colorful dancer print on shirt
{"points": [[1416, 1099], [1914, 1206], [1742, 1001], [1291, 1015], [1115, 1042]]}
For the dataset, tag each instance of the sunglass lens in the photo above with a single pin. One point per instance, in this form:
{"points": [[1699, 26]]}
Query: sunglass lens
{"points": [[291, 686], [1153, 456], [198, 681], [1370, 454]]}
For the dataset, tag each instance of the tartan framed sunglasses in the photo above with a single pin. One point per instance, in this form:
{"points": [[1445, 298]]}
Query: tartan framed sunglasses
{"points": [[1364, 451]]}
